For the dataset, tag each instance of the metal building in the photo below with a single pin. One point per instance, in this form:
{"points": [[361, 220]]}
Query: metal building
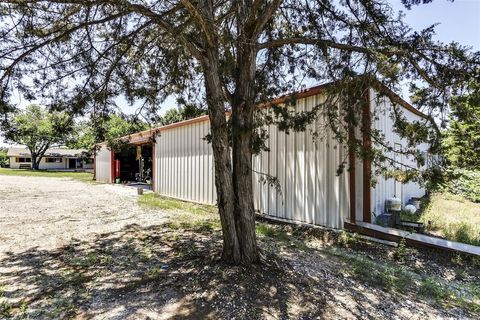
{"points": [[310, 189]]}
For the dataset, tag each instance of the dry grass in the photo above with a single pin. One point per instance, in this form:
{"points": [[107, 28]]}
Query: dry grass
{"points": [[453, 217]]}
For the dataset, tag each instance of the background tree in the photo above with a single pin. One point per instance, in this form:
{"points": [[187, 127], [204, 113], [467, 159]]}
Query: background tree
{"points": [[86, 133], [38, 129], [3, 157], [180, 114], [229, 56], [461, 144]]}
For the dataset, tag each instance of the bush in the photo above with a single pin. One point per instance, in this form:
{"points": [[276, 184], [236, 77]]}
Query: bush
{"points": [[465, 183]]}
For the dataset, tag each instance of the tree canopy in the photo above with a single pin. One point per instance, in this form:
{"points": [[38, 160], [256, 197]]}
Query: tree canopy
{"points": [[462, 138], [38, 129], [179, 114], [229, 56], [87, 134]]}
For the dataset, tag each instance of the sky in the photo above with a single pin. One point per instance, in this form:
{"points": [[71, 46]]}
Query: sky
{"points": [[459, 21]]}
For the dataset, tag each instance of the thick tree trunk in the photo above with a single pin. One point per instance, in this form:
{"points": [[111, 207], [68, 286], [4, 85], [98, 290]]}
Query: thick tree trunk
{"points": [[234, 187], [242, 131], [223, 166], [34, 161], [242, 183]]}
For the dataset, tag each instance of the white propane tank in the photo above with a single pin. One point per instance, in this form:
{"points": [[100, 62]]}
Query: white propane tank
{"points": [[394, 204], [410, 208]]}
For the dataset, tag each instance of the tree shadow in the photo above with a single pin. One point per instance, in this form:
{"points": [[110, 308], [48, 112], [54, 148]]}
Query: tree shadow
{"points": [[172, 271], [154, 272]]}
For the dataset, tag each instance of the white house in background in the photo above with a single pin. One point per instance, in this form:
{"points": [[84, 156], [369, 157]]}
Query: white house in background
{"points": [[180, 163], [54, 159]]}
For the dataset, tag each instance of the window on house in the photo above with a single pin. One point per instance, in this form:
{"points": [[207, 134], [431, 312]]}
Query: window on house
{"points": [[53, 160], [89, 161], [23, 160]]}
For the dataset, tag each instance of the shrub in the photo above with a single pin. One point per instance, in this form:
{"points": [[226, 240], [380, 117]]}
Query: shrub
{"points": [[465, 183]]}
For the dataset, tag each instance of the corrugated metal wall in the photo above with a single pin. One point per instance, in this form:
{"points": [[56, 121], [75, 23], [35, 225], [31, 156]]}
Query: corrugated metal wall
{"points": [[310, 190], [103, 165], [386, 188], [184, 163]]}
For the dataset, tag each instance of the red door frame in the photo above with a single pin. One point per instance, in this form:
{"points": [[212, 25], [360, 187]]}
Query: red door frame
{"points": [[112, 169], [367, 165], [153, 166]]}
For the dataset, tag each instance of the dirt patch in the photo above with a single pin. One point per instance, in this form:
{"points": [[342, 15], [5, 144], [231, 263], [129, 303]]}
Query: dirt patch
{"points": [[46, 213]]}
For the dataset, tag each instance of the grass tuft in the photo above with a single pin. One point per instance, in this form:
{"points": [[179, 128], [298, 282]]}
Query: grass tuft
{"points": [[270, 231]]}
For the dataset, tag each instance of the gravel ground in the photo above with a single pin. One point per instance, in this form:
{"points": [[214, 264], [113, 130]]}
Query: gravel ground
{"points": [[71, 250], [46, 213]]}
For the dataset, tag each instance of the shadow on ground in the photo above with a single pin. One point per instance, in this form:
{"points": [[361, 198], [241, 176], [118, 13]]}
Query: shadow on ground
{"points": [[172, 271], [151, 272]]}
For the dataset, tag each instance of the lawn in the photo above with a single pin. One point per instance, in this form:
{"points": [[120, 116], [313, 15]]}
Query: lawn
{"points": [[82, 176], [452, 217]]}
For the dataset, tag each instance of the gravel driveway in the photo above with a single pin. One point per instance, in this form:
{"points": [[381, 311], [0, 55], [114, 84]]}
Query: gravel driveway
{"points": [[46, 213]]}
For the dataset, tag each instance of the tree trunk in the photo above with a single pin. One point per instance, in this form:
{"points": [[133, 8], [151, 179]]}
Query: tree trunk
{"points": [[242, 132], [37, 165], [234, 187], [223, 166], [34, 161]]}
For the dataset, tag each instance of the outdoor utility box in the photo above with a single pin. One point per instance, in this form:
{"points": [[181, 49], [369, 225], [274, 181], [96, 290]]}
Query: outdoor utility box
{"points": [[385, 220]]}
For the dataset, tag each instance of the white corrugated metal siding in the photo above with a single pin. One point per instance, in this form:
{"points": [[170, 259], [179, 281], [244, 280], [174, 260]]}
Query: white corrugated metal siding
{"points": [[310, 189], [103, 165], [306, 169], [184, 163], [386, 188]]}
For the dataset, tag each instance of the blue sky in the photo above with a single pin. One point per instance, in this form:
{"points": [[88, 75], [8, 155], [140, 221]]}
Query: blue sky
{"points": [[459, 20]]}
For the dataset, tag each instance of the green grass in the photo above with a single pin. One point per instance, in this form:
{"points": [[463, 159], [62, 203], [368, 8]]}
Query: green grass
{"points": [[81, 176], [452, 217], [270, 231], [188, 215], [156, 201]]}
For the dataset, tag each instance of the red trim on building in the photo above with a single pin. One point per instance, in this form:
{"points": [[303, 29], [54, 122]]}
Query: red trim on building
{"points": [[94, 165], [367, 165], [153, 166], [352, 180], [112, 160]]}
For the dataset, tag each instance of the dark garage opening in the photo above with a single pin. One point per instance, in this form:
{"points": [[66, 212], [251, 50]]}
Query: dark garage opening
{"points": [[133, 164]]}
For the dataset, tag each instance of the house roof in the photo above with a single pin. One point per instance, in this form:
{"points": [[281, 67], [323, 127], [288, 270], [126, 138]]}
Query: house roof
{"points": [[52, 152], [146, 135]]}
